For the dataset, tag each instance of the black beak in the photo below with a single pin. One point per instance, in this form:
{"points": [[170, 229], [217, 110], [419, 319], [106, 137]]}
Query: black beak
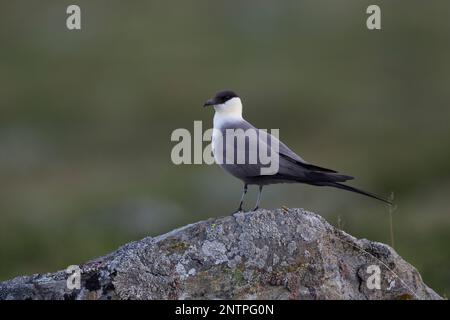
{"points": [[209, 102]]}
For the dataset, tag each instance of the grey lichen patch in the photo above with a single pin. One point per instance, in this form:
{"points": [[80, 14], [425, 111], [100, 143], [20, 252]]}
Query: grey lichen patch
{"points": [[259, 259], [234, 262], [240, 217], [181, 270], [306, 233], [214, 250], [275, 259], [292, 246]]}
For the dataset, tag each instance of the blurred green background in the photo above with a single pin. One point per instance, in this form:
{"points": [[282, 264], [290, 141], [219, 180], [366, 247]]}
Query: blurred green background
{"points": [[86, 118]]}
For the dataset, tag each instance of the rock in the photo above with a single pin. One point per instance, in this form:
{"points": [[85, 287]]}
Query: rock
{"points": [[266, 254]]}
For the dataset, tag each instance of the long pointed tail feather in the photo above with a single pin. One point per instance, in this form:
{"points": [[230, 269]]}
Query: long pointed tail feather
{"points": [[353, 189]]}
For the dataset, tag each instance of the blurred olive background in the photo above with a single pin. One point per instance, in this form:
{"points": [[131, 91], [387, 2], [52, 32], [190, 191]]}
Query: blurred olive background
{"points": [[86, 118]]}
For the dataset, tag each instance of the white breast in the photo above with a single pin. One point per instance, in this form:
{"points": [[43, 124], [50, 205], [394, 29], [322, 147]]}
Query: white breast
{"points": [[222, 120]]}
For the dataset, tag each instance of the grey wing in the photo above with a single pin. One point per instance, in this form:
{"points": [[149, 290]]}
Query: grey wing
{"points": [[229, 160], [282, 148], [291, 167]]}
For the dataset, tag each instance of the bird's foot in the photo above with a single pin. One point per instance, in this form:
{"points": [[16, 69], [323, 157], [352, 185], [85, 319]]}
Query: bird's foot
{"points": [[255, 208]]}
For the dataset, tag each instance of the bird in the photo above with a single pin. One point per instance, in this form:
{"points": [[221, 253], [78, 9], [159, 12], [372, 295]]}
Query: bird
{"points": [[291, 167]]}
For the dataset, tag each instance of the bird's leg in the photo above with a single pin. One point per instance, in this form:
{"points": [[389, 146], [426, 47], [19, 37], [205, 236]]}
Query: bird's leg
{"points": [[258, 200], [242, 198]]}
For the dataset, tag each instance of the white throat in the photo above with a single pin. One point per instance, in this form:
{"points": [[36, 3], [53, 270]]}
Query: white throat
{"points": [[228, 111]]}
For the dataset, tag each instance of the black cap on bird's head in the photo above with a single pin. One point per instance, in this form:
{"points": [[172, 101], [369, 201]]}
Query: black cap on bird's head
{"points": [[220, 98]]}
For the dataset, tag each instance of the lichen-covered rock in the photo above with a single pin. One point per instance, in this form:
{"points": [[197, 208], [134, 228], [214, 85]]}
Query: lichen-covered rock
{"points": [[266, 254]]}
